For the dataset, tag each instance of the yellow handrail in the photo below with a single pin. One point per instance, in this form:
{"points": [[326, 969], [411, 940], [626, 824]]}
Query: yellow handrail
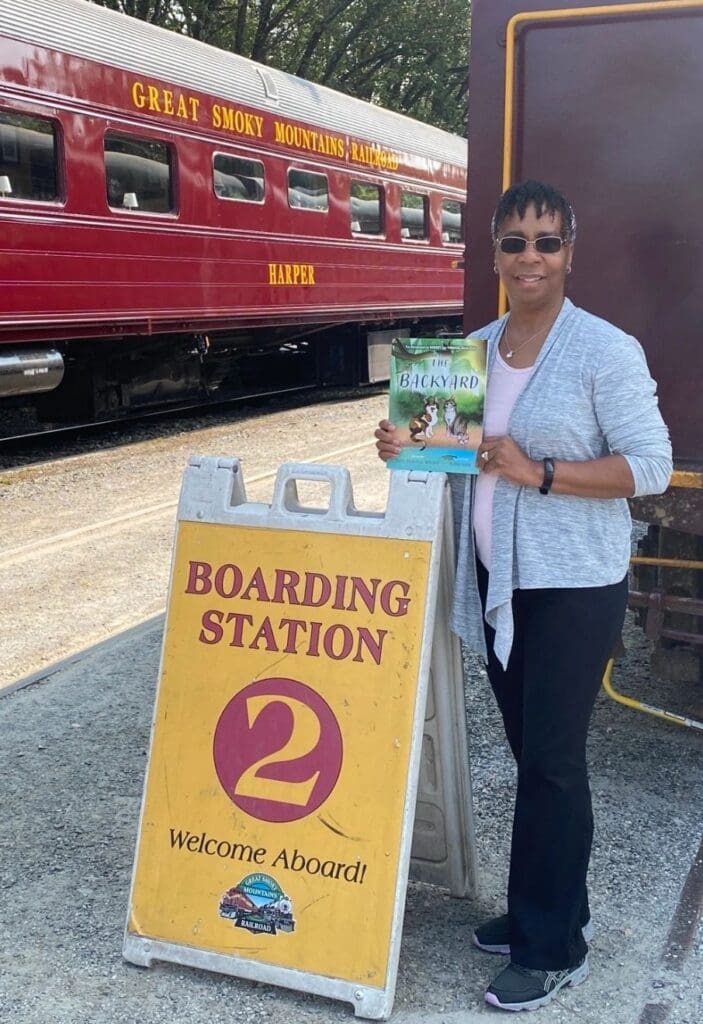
{"points": [[667, 563], [631, 702], [686, 478], [639, 705]]}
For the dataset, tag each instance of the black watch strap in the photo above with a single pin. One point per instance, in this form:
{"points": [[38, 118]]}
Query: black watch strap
{"points": [[548, 479]]}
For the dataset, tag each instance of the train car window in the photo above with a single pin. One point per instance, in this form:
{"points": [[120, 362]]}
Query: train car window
{"points": [[28, 157], [308, 191], [235, 177], [138, 174], [452, 221], [366, 208], [413, 215]]}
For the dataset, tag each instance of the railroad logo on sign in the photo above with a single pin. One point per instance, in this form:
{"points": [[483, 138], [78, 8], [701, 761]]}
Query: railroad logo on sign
{"points": [[258, 904]]}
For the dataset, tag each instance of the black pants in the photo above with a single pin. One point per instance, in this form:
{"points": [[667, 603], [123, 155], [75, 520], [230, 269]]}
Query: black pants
{"points": [[563, 639]]}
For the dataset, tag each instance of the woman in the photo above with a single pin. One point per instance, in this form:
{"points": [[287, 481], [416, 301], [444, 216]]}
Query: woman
{"points": [[572, 429]]}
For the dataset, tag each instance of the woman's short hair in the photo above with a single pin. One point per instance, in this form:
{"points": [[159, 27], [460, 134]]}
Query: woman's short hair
{"points": [[544, 198]]}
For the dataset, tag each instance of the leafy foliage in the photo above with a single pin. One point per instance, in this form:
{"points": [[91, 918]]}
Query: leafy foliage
{"points": [[408, 55]]}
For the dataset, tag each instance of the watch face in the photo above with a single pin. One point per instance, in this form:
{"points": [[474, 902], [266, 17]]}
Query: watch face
{"points": [[548, 475]]}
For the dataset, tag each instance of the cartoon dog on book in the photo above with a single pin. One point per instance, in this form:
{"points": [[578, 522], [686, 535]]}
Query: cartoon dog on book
{"points": [[422, 427]]}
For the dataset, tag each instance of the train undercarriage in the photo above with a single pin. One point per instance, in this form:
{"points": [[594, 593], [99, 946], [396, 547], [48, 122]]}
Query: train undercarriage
{"points": [[103, 379]]}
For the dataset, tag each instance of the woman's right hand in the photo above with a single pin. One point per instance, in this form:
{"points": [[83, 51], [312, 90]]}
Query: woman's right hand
{"points": [[387, 443]]}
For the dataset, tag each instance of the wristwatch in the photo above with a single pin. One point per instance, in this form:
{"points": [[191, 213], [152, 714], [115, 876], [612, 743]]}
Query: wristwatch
{"points": [[548, 476]]}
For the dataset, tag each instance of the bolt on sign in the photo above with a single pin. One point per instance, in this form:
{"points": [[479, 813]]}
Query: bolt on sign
{"points": [[278, 809]]}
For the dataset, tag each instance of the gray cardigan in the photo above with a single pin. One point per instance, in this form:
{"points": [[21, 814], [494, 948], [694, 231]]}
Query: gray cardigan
{"points": [[590, 395]]}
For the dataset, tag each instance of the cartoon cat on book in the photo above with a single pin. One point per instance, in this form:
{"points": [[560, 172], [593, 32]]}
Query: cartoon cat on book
{"points": [[456, 425], [422, 427]]}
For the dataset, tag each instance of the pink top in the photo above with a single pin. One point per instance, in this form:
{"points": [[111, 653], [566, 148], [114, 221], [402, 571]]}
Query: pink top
{"points": [[505, 384]]}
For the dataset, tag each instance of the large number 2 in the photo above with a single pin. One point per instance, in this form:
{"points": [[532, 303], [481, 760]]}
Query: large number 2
{"points": [[304, 737]]}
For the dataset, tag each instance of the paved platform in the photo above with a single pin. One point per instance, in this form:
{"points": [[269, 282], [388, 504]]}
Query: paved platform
{"points": [[72, 762]]}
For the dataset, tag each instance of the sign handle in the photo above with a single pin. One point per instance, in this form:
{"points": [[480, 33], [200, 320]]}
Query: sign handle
{"points": [[285, 493]]}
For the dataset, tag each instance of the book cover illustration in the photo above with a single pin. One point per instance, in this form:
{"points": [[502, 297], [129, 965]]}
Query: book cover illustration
{"points": [[437, 393]]}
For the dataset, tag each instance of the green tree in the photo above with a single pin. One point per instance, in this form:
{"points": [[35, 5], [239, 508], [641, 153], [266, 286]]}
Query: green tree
{"points": [[157, 11], [408, 55]]}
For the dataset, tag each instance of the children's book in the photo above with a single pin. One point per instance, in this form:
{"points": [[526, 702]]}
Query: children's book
{"points": [[437, 394]]}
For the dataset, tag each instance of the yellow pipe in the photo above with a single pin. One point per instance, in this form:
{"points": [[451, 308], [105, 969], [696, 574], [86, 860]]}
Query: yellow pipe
{"points": [[638, 705], [563, 15], [686, 478], [667, 563]]}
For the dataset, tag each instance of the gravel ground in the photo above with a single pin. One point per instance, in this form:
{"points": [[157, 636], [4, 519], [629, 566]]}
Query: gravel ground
{"points": [[73, 760]]}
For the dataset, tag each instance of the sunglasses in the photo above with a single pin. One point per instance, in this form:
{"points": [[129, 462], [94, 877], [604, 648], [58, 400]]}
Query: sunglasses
{"points": [[545, 244]]}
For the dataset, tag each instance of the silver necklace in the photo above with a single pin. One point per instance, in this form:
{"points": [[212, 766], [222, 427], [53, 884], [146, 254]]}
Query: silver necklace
{"points": [[511, 351]]}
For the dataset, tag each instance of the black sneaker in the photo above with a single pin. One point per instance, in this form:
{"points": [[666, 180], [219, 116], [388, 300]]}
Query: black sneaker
{"points": [[494, 936], [520, 988]]}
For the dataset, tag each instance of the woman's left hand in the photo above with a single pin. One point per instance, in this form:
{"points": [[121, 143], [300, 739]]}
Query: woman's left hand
{"points": [[502, 456]]}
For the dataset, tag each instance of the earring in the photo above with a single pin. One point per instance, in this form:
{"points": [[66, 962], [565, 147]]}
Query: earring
{"points": [[568, 269], [495, 269]]}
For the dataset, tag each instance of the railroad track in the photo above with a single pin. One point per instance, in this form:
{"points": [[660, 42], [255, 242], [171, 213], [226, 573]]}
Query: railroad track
{"points": [[71, 430]]}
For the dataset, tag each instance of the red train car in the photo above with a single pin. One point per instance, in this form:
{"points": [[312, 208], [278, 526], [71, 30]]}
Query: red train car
{"points": [[170, 211]]}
